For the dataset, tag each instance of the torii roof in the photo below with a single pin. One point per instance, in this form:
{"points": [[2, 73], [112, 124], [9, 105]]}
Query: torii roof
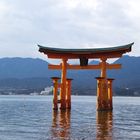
{"points": [[110, 52]]}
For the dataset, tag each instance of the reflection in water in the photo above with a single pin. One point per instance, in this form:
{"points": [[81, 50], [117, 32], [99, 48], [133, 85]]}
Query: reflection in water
{"points": [[61, 124], [61, 127], [104, 126]]}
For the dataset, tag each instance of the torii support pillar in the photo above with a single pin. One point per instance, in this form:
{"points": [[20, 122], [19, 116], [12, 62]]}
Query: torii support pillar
{"points": [[110, 80], [104, 97], [68, 94], [55, 92], [99, 93]]}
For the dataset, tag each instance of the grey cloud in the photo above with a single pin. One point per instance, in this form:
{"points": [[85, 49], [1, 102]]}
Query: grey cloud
{"points": [[50, 22]]}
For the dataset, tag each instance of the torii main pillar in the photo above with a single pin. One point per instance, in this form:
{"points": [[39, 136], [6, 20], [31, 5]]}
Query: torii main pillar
{"points": [[63, 85]]}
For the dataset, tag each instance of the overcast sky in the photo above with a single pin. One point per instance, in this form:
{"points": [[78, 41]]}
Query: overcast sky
{"points": [[67, 23]]}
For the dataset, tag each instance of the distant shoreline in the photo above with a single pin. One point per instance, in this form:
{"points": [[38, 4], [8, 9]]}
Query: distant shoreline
{"points": [[52, 95]]}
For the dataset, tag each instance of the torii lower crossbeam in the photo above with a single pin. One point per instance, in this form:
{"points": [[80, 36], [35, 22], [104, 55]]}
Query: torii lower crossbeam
{"points": [[89, 67]]}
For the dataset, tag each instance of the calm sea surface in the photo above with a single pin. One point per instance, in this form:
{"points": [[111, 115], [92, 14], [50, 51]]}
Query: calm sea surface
{"points": [[32, 118]]}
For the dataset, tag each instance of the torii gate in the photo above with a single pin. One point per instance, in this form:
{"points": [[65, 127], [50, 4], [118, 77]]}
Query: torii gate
{"points": [[104, 84]]}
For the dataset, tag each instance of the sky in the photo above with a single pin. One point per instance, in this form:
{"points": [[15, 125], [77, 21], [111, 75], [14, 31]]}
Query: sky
{"points": [[67, 24]]}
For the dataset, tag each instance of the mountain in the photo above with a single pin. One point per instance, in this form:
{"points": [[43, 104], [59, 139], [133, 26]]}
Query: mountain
{"points": [[29, 73], [129, 74], [24, 75], [24, 68]]}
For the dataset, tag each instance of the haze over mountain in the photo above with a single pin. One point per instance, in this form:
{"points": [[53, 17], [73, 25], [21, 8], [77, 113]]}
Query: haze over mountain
{"points": [[34, 73]]}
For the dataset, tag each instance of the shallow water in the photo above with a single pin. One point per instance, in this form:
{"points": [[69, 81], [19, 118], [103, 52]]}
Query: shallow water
{"points": [[32, 118]]}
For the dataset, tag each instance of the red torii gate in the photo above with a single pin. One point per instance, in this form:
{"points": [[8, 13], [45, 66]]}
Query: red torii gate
{"points": [[104, 84]]}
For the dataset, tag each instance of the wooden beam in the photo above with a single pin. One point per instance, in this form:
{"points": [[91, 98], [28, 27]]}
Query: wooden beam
{"points": [[114, 66], [77, 67], [57, 67], [90, 56], [89, 67]]}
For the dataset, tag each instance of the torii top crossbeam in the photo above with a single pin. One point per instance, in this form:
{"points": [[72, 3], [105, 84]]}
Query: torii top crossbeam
{"points": [[111, 52]]}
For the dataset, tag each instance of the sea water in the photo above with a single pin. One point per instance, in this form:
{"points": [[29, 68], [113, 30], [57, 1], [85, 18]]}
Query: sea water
{"points": [[32, 118]]}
